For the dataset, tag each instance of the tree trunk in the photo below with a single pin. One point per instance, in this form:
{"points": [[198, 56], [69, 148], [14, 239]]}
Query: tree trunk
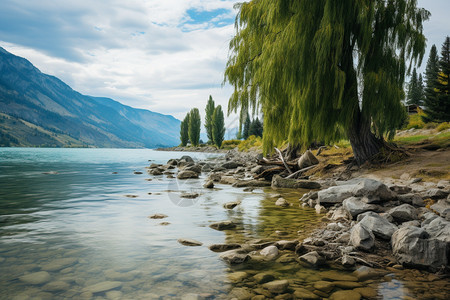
{"points": [[364, 143]]}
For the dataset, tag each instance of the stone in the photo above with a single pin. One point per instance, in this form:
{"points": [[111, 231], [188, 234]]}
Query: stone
{"points": [[263, 277], [188, 195], [320, 209], [337, 276], [334, 194], [379, 226], [158, 216], [413, 199], [241, 294], [364, 273], [59, 264], [442, 207], [189, 242], [335, 227], [195, 168], [282, 202], [102, 286], [223, 225], [413, 248], [347, 284], [187, 175], [113, 295], [270, 252], [120, 276], [436, 194], [307, 159], [231, 165], [287, 245], [348, 261], [403, 213], [362, 238], [223, 247], [251, 183], [172, 162], [206, 168], [234, 257], [414, 223], [209, 184], [237, 276], [340, 214], [227, 180], [324, 286], [301, 293], [36, 278], [439, 228], [367, 292], [313, 259], [345, 295], [277, 286], [443, 184], [354, 206], [186, 158], [400, 189], [56, 286], [280, 182], [231, 205]]}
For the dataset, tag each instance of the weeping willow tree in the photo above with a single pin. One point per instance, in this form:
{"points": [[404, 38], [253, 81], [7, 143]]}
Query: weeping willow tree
{"points": [[318, 70]]}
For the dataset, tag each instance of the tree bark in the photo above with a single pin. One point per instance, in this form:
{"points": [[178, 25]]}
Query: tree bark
{"points": [[364, 143]]}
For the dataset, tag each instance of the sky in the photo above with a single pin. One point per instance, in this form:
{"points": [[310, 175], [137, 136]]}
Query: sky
{"points": [[163, 55]]}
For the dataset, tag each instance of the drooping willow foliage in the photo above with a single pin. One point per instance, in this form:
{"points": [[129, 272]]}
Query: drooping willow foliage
{"points": [[312, 67]]}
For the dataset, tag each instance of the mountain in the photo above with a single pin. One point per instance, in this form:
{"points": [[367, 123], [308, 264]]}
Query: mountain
{"points": [[37, 109]]}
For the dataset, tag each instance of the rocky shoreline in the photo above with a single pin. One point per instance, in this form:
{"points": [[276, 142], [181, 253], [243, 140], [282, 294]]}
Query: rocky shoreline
{"points": [[206, 149], [370, 227]]}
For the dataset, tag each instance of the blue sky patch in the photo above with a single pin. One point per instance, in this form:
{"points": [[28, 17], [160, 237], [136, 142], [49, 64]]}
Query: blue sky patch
{"points": [[217, 18]]}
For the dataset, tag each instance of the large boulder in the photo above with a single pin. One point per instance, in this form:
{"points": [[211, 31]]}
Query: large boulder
{"points": [[335, 194], [186, 158], [403, 213], [280, 182], [307, 159], [187, 175], [413, 247], [355, 206], [362, 238], [442, 207], [313, 259], [195, 168], [379, 226], [412, 199], [439, 228]]}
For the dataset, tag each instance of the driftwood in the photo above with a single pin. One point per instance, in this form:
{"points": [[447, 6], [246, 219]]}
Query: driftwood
{"points": [[299, 172], [282, 159], [267, 174]]}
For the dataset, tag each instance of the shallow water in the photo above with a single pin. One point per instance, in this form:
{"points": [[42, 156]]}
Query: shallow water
{"points": [[74, 224]]}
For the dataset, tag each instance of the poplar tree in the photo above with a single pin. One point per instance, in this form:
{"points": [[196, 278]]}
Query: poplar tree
{"points": [[194, 126], [209, 111], [218, 128], [184, 130], [431, 75], [319, 68]]}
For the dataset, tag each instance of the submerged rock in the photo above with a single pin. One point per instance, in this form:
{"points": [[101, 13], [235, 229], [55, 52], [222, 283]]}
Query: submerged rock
{"points": [[277, 286], [234, 257], [189, 242], [345, 295], [270, 252], [158, 216], [36, 278], [223, 247], [102, 286], [282, 202], [187, 175], [223, 225], [313, 259]]}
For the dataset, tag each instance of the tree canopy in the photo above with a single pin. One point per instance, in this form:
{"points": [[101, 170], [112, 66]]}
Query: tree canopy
{"points": [[218, 126], [320, 69], [194, 126], [209, 111], [415, 89], [184, 130]]}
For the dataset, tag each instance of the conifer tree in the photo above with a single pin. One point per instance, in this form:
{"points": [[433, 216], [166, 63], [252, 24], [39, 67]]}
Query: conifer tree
{"points": [[421, 90], [319, 68], [431, 75], [209, 111], [218, 128], [414, 90], [247, 123], [256, 128], [442, 84], [184, 130], [194, 126]]}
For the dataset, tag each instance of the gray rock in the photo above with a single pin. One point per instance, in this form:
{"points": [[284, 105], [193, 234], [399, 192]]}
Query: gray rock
{"points": [[36, 278], [231, 205], [355, 206], [195, 168], [56, 286], [340, 214], [251, 183], [102, 286], [223, 225], [400, 189], [189, 242], [209, 184], [234, 257], [313, 259], [287, 245], [335, 194], [231, 165], [280, 182], [403, 213], [414, 223], [187, 158], [282, 202], [443, 184], [442, 207], [309, 195], [435, 194], [413, 248], [227, 180], [362, 238], [307, 159], [157, 216], [320, 209], [187, 175], [413, 199], [439, 228], [270, 252], [223, 247], [206, 168], [379, 226], [277, 286], [188, 195], [348, 261]]}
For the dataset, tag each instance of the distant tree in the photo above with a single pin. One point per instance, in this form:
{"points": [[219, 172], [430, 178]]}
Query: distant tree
{"points": [[442, 83], [421, 89], [209, 110], [194, 126], [256, 128], [184, 130], [218, 128], [414, 90], [245, 132]]}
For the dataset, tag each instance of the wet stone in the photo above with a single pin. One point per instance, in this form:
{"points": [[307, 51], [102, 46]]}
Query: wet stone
{"points": [[237, 276], [367, 292], [112, 295], [189, 242], [336, 276], [301, 293], [103, 286], [59, 264], [347, 284], [324, 286], [223, 247], [36, 278], [277, 286], [56, 286], [263, 277], [345, 295], [158, 216], [224, 225]]}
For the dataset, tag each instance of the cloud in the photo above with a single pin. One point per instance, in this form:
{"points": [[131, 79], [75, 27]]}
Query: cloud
{"points": [[167, 56]]}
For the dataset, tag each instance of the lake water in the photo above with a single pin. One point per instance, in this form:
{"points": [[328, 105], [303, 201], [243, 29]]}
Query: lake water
{"points": [[74, 224]]}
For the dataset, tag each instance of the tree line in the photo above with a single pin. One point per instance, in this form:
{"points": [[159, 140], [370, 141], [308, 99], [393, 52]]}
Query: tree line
{"points": [[214, 124]]}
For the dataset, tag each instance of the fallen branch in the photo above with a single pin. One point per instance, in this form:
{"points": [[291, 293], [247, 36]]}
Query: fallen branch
{"points": [[299, 172], [282, 159]]}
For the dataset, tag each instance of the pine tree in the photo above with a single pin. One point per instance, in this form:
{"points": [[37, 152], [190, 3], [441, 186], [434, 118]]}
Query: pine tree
{"points": [[442, 83], [307, 65], [431, 74], [209, 111], [245, 132], [414, 90], [421, 90], [256, 128], [218, 128], [184, 130], [194, 126]]}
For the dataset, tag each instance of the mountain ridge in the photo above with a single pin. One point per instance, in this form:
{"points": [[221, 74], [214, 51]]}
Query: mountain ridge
{"points": [[27, 94]]}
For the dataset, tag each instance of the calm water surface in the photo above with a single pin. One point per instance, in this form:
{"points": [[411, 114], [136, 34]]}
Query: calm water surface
{"points": [[69, 228]]}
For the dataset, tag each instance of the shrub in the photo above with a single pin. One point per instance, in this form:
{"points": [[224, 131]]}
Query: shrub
{"points": [[431, 125], [443, 126], [251, 142], [230, 144]]}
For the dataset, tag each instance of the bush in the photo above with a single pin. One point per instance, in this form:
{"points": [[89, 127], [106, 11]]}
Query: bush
{"points": [[230, 144], [443, 126], [415, 121], [251, 142], [431, 125]]}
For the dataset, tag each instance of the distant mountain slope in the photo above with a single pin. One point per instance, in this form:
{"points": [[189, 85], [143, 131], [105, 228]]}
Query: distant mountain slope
{"points": [[46, 104]]}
